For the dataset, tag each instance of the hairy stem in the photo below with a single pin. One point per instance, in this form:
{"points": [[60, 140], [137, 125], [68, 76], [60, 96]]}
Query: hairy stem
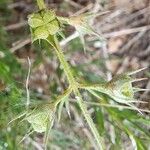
{"points": [[74, 86], [41, 4]]}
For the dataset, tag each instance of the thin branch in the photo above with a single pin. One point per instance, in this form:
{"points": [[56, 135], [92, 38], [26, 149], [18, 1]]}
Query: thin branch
{"points": [[27, 84], [15, 26], [20, 45], [76, 34]]}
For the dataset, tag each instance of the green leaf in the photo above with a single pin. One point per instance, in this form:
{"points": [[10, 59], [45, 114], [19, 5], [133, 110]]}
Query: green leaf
{"points": [[140, 128], [145, 121], [4, 71], [60, 109], [61, 100], [100, 120], [140, 144]]}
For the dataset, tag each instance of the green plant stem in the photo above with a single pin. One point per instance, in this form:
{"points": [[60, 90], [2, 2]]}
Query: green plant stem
{"points": [[74, 86], [41, 4]]}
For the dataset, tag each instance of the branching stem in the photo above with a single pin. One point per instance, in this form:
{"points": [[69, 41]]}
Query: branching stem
{"points": [[74, 85], [72, 82]]}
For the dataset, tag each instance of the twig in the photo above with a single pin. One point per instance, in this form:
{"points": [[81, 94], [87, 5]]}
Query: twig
{"points": [[68, 39], [15, 26], [27, 84], [145, 53], [36, 144], [126, 31], [124, 65], [74, 4], [17, 4], [126, 47], [107, 62], [20, 45], [76, 34], [84, 9], [124, 20]]}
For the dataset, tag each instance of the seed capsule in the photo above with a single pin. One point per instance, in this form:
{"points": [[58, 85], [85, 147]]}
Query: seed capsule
{"points": [[40, 117], [43, 24]]}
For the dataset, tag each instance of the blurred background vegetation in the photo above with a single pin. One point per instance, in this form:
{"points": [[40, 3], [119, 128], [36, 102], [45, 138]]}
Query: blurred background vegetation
{"points": [[127, 29]]}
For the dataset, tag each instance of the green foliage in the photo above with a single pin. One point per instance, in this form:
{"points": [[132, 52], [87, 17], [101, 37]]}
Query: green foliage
{"points": [[113, 101]]}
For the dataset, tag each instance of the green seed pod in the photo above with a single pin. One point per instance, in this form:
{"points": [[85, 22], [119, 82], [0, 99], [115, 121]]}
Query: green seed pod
{"points": [[127, 90], [39, 117], [43, 24], [119, 80], [121, 86]]}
